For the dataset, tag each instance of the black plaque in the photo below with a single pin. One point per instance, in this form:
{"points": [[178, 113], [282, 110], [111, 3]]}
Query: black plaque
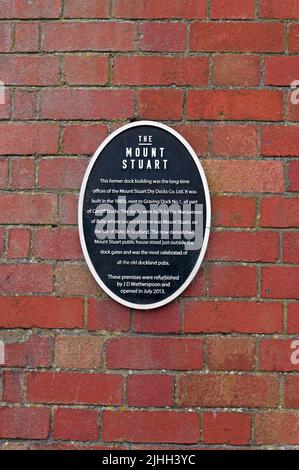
{"points": [[144, 215]]}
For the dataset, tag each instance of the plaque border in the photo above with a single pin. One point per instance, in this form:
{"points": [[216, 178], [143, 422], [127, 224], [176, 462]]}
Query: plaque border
{"points": [[208, 215]]}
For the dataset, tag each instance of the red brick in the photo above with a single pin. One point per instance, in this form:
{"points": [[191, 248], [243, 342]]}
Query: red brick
{"points": [[154, 353], [290, 391], [27, 208], [29, 70], [231, 353], [78, 352], [22, 9], [219, 390], [27, 37], [244, 246], [75, 279], [155, 9], [12, 386], [3, 174], [293, 318], [226, 9], [24, 104], [150, 426], [160, 104], [163, 37], [23, 173], [233, 281], [145, 70], [88, 9], [18, 242], [230, 317], [281, 70], [108, 315], [237, 105], [24, 423], [280, 282], [196, 135], [6, 36], [293, 41], [34, 352], [150, 390], [25, 278], [236, 70], [76, 103], [28, 138], [89, 36], [69, 209], [281, 428], [277, 10], [83, 138], [74, 387], [293, 176], [86, 70], [237, 37], [167, 319], [60, 173], [197, 287], [233, 211], [280, 212], [58, 243], [275, 355], [72, 424], [291, 247], [292, 113], [234, 141], [280, 141], [41, 312], [249, 176], [226, 428]]}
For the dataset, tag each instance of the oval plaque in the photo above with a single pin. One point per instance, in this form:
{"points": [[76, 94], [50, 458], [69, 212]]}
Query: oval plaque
{"points": [[144, 215]]}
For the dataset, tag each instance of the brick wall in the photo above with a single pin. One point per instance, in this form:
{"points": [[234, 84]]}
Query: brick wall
{"points": [[212, 368]]}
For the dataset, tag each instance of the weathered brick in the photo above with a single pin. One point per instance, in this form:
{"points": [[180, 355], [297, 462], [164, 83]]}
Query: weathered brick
{"points": [[239, 105], [24, 423], [23, 173], [150, 426], [6, 36], [24, 104], [236, 70], [160, 104], [233, 281], [75, 279], [280, 141], [150, 390], [230, 317], [154, 9], [84, 103], [57, 243], [88, 9], [280, 428], [231, 353], [154, 353], [13, 386], [83, 138], [226, 428], [277, 10], [68, 213], [89, 36], [293, 176], [293, 318], [290, 391], [219, 390], [107, 315], [27, 37], [27, 208], [167, 319], [78, 352], [34, 352], [145, 70], [275, 355], [18, 242], [29, 70], [25, 278], [163, 37], [280, 282], [291, 247], [74, 387], [41, 312], [234, 141], [232, 9], [60, 173], [72, 424], [22, 9], [28, 138], [237, 37], [233, 211], [280, 212], [86, 70]]}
